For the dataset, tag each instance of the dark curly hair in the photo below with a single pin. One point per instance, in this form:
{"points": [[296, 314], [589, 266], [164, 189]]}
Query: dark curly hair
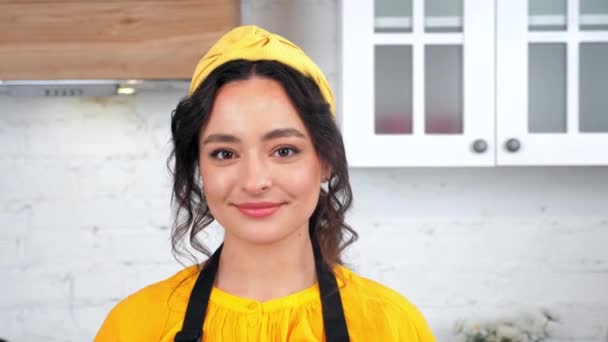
{"points": [[191, 213]]}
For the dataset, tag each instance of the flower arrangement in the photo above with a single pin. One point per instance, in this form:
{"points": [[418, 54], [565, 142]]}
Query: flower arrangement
{"points": [[527, 328]]}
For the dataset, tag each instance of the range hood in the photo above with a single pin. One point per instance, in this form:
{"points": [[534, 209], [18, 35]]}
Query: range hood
{"points": [[72, 88], [104, 48]]}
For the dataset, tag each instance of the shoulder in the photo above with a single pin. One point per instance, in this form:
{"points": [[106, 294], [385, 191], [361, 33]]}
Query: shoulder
{"points": [[133, 317], [390, 311]]}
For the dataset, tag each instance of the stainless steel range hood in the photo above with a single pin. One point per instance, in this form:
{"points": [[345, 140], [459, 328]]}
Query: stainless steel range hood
{"points": [[86, 88]]}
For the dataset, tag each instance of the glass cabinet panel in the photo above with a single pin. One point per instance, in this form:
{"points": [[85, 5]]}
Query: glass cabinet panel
{"points": [[393, 15], [443, 89], [393, 89], [593, 15], [547, 15], [593, 85], [443, 16], [547, 91]]}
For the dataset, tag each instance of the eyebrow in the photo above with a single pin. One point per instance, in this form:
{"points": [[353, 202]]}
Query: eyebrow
{"points": [[274, 134]]}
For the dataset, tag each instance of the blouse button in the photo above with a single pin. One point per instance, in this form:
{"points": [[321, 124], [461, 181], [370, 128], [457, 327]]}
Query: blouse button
{"points": [[252, 306], [254, 321]]}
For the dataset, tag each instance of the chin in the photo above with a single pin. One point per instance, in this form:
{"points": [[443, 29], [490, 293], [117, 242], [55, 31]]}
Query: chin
{"points": [[261, 233]]}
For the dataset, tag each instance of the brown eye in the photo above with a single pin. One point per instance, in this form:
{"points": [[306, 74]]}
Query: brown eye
{"points": [[222, 154], [285, 151]]}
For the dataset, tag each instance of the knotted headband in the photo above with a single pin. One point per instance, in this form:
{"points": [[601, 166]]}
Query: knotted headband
{"points": [[254, 43]]}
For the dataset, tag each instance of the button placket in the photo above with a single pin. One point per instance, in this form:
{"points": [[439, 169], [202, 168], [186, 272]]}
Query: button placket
{"points": [[255, 314]]}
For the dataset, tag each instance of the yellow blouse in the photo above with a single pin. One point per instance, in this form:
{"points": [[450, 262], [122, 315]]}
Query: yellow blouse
{"points": [[373, 312]]}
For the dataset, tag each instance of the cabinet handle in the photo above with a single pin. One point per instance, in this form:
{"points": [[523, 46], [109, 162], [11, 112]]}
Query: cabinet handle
{"points": [[512, 145], [480, 146]]}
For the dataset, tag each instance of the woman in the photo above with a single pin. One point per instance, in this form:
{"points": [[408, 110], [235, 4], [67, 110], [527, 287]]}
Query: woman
{"points": [[256, 148]]}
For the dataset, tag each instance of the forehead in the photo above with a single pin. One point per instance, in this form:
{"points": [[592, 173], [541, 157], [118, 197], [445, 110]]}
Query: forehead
{"points": [[252, 106]]}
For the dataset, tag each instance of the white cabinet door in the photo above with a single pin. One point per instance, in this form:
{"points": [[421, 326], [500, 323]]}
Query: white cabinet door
{"points": [[552, 82], [418, 82]]}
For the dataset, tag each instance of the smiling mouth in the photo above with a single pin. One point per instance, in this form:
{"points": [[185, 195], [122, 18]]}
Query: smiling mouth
{"points": [[259, 210]]}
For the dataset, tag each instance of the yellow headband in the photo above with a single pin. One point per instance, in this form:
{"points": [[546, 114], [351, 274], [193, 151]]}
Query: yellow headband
{"points": [[254, 43]]}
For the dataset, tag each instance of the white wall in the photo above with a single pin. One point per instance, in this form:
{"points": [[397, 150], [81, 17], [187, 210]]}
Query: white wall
{"points": [[84, 215]]}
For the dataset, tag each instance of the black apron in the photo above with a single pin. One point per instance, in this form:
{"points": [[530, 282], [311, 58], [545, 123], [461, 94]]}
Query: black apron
{"points": [[333, 313]]}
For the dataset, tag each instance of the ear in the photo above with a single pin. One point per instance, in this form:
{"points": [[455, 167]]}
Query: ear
{"points": [[199, 173], [326, 173]]}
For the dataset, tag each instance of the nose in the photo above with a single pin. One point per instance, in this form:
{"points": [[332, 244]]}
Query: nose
{"points": [[255, 175]]}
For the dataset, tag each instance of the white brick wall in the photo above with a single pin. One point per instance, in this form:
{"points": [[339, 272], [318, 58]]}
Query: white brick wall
{"points": [[84, 215]]}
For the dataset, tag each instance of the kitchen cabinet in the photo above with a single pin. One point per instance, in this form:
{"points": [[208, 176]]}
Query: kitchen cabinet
{"points": [[130, 39], [436, 83], [552, 82]]}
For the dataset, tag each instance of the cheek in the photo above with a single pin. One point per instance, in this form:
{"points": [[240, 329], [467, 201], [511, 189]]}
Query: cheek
{"points": [[216, 184], [304, 180]]}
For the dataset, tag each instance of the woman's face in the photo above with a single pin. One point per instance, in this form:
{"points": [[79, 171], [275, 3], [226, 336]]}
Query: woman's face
{"points": [[261, 175]]}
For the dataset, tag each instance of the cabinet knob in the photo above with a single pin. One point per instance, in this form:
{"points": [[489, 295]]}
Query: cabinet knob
{"points": [[512, 145], [480, 146]]}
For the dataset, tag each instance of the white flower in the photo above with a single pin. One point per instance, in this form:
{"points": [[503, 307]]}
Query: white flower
{"points": [[528, 328], [507, 331]]}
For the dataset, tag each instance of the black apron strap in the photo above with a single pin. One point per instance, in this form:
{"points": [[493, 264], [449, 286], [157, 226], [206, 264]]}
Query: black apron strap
{"points": [[331, 302], [197, 304], [333, 313]]}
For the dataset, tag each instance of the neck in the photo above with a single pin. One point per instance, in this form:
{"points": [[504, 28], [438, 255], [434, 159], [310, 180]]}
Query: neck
{"points": [[266, 271]]}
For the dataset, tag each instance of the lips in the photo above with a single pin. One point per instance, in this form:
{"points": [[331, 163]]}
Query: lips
{"points": [[259, 209]]}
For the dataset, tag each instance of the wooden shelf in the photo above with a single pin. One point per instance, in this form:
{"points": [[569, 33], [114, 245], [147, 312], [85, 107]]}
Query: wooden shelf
{"points": [[131, 39]]}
